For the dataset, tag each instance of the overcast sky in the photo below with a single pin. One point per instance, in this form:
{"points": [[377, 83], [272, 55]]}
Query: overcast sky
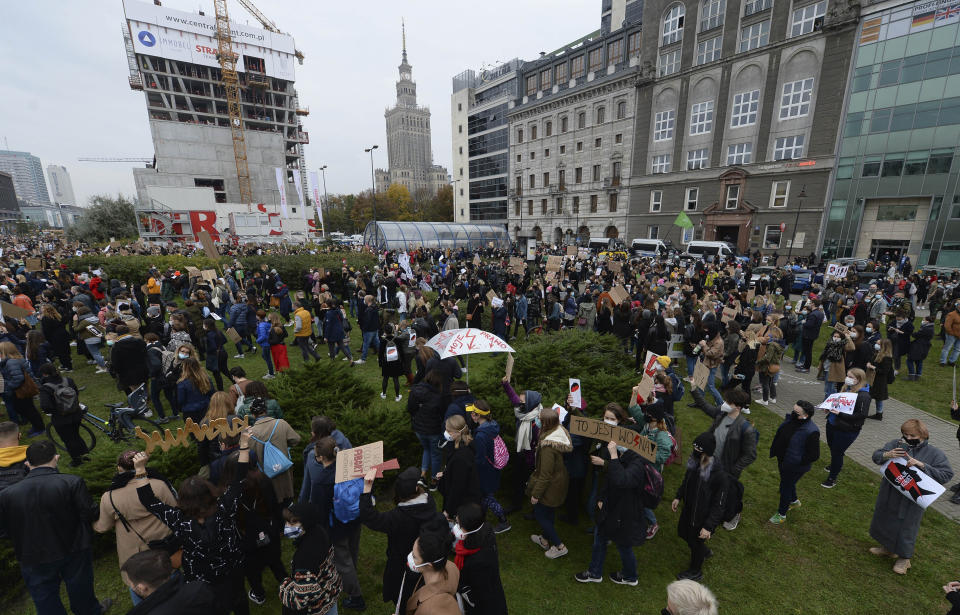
{"points": [[65, 91]]}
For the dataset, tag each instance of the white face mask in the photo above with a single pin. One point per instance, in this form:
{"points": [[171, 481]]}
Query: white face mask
{"points": [[869, 329], [292, 531], [412, 564], [853, 335], [459, 533], [447, 436], [849, 381], [183, 356], [876, 347], [726, 408], [610, 422]]}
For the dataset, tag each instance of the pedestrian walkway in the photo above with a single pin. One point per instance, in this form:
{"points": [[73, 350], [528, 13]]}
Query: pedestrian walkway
{"points": [[794, 385]]}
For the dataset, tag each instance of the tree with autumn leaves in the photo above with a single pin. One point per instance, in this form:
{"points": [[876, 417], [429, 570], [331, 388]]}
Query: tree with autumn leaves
{"points": [[350, 213]]}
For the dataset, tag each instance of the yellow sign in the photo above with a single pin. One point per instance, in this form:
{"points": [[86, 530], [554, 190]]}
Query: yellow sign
{"points": [[214, 429]]}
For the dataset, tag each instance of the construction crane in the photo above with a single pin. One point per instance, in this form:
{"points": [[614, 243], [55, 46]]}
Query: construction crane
{"points": [[267, 23], [143, 159], [231, 83]]}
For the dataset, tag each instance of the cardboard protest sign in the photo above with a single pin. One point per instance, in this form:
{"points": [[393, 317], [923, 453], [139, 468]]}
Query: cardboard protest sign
{"points": [[643, 389], [575, 393], [210, 275], [34, 264], [841, 329], [509, 370], [912, 483], [583, 254], [209, 247], [728, 314], [192, 272], [232, 335], [571, 250], [614, 266], [491, 295], [216, 428], [356, 462], [517, 265], [598, 430], [701, 376], [619, 295], [14, 311], [650, 364], [554, 263], [841, 402]]}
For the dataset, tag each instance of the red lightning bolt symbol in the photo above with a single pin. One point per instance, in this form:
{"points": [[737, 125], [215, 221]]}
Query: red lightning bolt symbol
{"points": [[469, 336]]}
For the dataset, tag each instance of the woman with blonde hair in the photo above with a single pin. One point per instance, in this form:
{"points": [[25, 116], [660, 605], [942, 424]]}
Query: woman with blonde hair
{"points": [[843, 429], [16, 374], [896, 519], [882, 369], [458, 482], [193, 390]]}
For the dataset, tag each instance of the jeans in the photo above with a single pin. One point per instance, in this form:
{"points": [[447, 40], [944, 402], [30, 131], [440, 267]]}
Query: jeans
{"points": [[156, 385], [306, 349], [336, 347], [712, 386], [431, 453], [915, 367], [544, 516], [724, 375], [651, 517], [346, 547], [370, 338], [807, 352], [950, 343], [93, 345], [76, 572], [829, 388], [599, 553], [789, 476], [265, 353], [691, 364], [769, 386], [838, 441], [353, 306], [879, 403]]}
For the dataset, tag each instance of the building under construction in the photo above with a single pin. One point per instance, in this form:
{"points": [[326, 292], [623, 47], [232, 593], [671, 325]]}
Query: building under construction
{"points": [[225, 122]]}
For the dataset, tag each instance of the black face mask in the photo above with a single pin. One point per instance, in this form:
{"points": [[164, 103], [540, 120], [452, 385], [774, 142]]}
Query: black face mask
{"points": [[665, 611], [912, 441]]}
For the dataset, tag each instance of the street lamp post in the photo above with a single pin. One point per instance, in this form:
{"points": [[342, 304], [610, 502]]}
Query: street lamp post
{"points": [[373, 183], [326, 202], [801, 196]]}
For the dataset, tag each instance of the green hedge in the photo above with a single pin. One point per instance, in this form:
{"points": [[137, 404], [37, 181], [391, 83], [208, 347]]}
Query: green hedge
{"points": [[290, 267]]}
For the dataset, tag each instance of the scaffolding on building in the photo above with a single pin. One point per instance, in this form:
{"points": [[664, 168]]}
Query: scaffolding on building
{"points": [[159, 222]]}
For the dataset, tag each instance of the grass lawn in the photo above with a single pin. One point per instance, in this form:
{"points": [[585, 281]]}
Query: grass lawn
{"points": [[816, 563]]}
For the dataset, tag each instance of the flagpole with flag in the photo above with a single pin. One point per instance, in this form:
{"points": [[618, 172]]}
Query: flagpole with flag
{"points": [[683, 221]]}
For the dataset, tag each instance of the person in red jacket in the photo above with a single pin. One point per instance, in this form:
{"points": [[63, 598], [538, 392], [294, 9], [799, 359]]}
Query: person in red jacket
{"points": [[95, 283]]}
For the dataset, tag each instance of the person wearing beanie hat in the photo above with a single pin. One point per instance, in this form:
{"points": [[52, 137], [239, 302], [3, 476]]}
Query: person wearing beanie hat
{"points": [[526, 408], [415, 508], [701, 492]]}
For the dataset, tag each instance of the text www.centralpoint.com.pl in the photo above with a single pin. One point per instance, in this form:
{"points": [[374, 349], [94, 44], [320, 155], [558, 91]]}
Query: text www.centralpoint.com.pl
{"points": [[200, 24]]}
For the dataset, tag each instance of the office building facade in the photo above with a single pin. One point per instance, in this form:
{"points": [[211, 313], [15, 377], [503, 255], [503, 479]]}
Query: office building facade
{"points": [[896, 187], [481, 142], [61, 188], [739, 114], [27, 174]]}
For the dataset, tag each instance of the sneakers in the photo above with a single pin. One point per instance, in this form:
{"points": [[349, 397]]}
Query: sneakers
{"points": [[794, 504], [586, 577], [345, 359], [763, 402], [777, 519], [902, 565], [617, 578], [383, 395], [164, 420], [881, 552], [503, 526], [239, 356], [398, 398], [732, 523], [652, 530], [827, 469], [269, 376], [258, 600], [359, 362], [540, 541], [773, 400], [830, 483], [464, 370], [100, 370], [693, 575], [355, 603], [555, 552]]}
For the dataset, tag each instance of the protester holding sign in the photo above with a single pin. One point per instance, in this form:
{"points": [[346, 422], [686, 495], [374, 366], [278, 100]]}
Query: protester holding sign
{"points": [[897, 514], [548, 484], [843, 428], [702, 493]]}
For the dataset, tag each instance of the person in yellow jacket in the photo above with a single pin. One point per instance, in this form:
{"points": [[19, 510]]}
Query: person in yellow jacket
{"points": [[302, 328]]}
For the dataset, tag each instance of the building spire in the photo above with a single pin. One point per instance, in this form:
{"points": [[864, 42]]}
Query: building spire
{"points": [[403, 34]]}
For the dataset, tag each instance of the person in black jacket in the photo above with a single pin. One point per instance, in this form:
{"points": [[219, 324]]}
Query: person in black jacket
{"points": [[619, 516], [843, 429], [919, 348], [458, 482], [215, 344], [796, 445], [415, 509], [66, 421], [128, 360], [477, 558], [148, 574], [426, 406], [312, 561], [48, 517], [702, 492], [155, 369]]}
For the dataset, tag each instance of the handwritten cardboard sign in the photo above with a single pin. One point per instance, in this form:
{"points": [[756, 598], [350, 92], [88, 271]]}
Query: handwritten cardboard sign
{"points": [[210, 275], [643, 389], [192, 272], [701, 376], [14, 311], [554, 263], [650, 364], [491, 295], [232, 335], [614, 266], [356, 462], [841, 329], [598, 430], [214, 429], [571, 250], [517, 265], [728, 315], [912, 483], [34, 264], [618, 294], [209, 247], [509, 370], [841, 402]]}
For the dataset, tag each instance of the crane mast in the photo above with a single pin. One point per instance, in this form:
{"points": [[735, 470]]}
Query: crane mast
{"points": [[231, 83]]}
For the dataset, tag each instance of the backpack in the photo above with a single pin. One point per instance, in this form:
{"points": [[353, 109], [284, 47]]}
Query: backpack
{"points": [[674, 451], [678, 390], [346, 500], [64, 397], [748, 425], [391, 352], [653, 486], [275, 461], [501, 454]]}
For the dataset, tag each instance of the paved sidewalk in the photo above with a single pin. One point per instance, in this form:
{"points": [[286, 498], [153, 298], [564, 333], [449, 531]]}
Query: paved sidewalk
{"points": [[794, 385]]}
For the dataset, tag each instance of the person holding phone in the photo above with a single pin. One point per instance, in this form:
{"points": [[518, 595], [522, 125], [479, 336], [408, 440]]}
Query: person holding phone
{"points": [[896, 520]]}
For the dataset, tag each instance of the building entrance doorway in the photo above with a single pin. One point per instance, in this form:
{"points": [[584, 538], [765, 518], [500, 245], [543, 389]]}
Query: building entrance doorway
{"points": [[728, 233], [893, 247]]}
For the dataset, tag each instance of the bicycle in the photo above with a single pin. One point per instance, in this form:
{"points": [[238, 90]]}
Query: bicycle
{"points": [[120, 426]]}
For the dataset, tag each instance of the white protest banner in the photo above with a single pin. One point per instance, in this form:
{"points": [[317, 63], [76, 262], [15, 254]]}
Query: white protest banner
{"points": [[650, 365], [912, 483], [282, 189], [299, 185], [841, 402], [575, 394], [835, 270], [598, 430]]}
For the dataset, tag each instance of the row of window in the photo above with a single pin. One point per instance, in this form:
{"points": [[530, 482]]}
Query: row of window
{"points": [[785, 148], [910, 69], [597, 143], [779, 193], [898, 164], [804, 20], [600, 116], [579, 65], [575, 205], [615, 170], [942, 112]]}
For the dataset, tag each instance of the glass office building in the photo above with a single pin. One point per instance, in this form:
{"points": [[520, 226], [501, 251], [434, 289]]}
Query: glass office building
{"points": [[897, 171]]}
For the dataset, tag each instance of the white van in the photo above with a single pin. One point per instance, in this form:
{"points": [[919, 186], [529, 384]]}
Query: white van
{"points": [[710, 251], [648, 247]]}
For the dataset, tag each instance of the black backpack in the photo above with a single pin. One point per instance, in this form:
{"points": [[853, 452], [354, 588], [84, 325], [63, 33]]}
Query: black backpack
{"points": [[65, 398]]}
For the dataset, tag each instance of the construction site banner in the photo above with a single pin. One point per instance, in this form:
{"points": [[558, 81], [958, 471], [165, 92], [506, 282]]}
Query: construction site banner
{"points": [[299, 184], [282, 189], [313, 180]]}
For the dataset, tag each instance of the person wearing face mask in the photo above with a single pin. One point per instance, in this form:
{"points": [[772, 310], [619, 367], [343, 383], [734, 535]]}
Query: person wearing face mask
{"points": [[771, 352], [688, 597], [881, 368], [872, 331], [702, 492], [313, 573], [899, 330], [711, 351], [810, 331], [843, 429], [435, 591], [477, 558], [920, 348], [862, 351], [458, 482], [951, 331], [832, 362], [655, 428], [896, 520], [548, 483], [796, 445]]}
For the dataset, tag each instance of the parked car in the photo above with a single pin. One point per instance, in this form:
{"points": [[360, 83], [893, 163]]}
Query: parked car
{"points": [[759, 272], [860, 263], [802, 280], [866, 278]]}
